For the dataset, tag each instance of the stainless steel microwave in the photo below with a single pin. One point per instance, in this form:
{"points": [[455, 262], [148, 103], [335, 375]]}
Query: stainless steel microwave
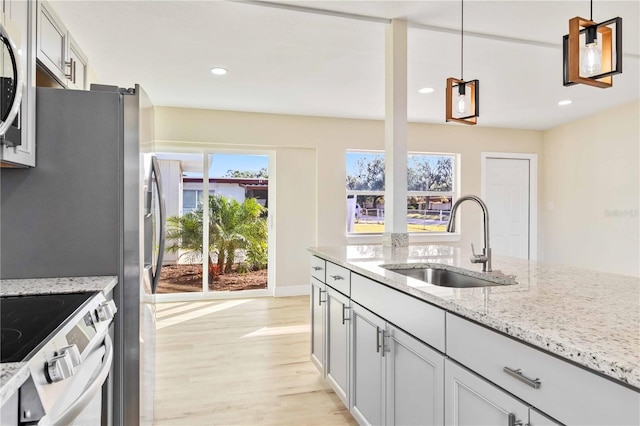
{"points": [[11, 87]]}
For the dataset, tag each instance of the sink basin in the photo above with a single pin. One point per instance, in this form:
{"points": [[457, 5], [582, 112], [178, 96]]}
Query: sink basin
{"points": [[444, 277]]}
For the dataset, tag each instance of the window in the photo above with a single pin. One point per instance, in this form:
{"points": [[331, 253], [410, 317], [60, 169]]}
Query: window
{"points": [[430, 191], [192, 199]]}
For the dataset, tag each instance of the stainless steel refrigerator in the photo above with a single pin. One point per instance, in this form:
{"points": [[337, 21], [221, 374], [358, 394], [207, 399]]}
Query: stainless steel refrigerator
{"points": [[79, 211]]}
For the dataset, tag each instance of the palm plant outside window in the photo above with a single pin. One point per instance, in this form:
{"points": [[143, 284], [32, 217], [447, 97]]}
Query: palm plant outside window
{"points": [[430, 191]]}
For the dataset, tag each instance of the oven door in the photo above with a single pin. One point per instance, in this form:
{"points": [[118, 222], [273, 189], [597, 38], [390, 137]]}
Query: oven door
{"points": [[11, 85], [81, 403]]}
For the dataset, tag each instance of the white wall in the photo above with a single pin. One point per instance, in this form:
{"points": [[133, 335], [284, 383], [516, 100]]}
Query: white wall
{"points": [[328, 139], [591, 192], [229, 190], [296, 215]]}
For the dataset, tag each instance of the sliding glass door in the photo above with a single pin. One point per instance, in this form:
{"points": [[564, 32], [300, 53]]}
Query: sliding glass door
{"points": [[217, 222]]}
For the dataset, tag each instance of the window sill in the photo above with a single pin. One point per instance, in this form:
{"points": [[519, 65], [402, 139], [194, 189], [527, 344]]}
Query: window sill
{"points": [[441, 237]]}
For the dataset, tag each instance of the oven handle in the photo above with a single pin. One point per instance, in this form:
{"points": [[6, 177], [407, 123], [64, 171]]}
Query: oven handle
{"points": [[87, 395]]}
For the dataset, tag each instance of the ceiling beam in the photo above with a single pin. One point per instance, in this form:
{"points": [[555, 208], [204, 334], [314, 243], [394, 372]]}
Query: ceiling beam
{"points": [[425, 27]]}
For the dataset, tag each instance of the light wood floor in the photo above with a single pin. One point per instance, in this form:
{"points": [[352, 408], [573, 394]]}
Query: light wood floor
{"points": [[240, 362]]}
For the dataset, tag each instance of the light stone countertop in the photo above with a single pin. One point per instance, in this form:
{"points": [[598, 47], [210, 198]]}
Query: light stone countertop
{"points": [[33, 286], [14, 374], [591, 318]]}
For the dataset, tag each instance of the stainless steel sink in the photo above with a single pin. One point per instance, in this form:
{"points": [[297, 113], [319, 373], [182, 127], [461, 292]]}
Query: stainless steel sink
{"points": [[445, 277]]}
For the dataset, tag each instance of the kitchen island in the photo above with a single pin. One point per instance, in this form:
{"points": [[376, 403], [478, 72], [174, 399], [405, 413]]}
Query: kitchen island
{"points": [[584, 318], [14, 374]]}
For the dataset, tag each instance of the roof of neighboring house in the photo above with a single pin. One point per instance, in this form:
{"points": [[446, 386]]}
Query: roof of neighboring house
{"points": [[255, 185], [238, 181]]}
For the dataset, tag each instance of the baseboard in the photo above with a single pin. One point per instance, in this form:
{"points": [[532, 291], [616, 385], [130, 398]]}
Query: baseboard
{"points": [[292, 290]]}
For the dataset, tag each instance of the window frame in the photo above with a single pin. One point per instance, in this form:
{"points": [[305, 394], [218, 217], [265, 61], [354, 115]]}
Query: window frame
{"points": [[454, 194]]}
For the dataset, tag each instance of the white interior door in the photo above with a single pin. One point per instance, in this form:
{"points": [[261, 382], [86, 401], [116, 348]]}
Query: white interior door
{"points": [[507, 195]]}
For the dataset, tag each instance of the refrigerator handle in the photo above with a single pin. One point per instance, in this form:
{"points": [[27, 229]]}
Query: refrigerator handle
{"points": [[155, 170]]}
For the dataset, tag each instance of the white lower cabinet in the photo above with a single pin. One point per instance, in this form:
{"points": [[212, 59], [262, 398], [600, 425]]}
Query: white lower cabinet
{"points": [[337, 349], [318, 299], [415, 381], [396, 379], [470, 400], [367, 366], [362, 341], [568, 393]]}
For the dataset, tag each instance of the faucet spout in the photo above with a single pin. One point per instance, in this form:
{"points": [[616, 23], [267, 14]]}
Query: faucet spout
{"points": [[485, 257]]}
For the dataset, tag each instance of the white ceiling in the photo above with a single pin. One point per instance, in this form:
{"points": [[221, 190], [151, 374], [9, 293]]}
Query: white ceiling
{"points": [[292, 62]]}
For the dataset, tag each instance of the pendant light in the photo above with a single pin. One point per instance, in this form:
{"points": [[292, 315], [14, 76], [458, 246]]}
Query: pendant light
{"points": [[463, 97], [600, 56]]}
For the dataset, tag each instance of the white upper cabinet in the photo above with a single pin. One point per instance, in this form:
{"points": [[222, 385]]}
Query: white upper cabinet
{"points": [[57, 51]]}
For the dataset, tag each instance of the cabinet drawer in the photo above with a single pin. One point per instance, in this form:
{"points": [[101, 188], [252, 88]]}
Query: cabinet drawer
{"points": [[422, 320], [339, 278], [318, 268], [566, 392]]}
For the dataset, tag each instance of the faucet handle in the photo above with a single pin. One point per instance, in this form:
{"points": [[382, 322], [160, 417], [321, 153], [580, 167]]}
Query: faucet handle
{"points": [[477, 258]]}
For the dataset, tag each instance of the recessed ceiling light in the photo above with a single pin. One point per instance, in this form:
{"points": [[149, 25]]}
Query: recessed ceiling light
{"points": [[426, 90], [218, 71], [565, 102]]}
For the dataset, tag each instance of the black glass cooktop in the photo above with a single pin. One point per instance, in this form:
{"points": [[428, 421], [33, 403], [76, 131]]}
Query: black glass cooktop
{"points": [[26, 321]]}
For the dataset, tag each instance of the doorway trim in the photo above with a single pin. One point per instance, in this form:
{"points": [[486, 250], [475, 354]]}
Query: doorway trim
{"points": [[533, 190]]}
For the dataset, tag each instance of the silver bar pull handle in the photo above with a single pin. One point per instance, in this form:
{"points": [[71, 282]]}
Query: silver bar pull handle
{"points": [[378, 339], [317, 268], [385, 347], [513, 421], [344, 317], [336, 277], [534, 383], [320, 301], [69, 64]]}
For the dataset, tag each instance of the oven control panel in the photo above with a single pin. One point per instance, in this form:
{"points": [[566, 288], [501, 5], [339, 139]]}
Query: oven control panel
{"points": [[55, 368]]}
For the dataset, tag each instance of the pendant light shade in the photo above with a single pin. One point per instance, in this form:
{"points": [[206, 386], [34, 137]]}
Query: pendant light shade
{"points": [[462, 97], [592, 52], [463, 101]]}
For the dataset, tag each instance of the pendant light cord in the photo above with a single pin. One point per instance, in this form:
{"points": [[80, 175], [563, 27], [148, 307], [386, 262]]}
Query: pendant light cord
{"points": [[462, 40], [591, 10]]}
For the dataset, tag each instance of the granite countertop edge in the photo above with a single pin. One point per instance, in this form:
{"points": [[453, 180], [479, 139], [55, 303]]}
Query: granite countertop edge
{"points": [[33, 286], [14, 374], [620, 371]]}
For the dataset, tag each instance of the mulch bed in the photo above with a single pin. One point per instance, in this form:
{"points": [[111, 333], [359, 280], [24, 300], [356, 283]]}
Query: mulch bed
{"points": [[188, 278]]}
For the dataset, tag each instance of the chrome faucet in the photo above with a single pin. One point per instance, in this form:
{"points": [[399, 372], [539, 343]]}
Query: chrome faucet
{"points": [[485, 257]]}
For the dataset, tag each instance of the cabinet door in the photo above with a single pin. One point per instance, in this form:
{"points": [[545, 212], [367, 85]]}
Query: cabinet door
{"points": [[77, 75], [52, 42], [470, 400], [318, 300], [337, 365], [367, 362], [415, 381]]}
